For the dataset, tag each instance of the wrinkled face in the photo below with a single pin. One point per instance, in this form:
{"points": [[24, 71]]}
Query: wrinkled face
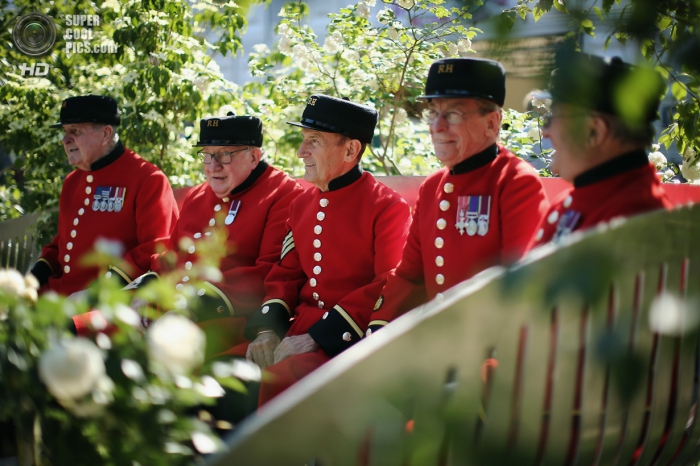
{"points": [[223, 178], [85, 143], [456, 142], [324, 157], [566, 128]]}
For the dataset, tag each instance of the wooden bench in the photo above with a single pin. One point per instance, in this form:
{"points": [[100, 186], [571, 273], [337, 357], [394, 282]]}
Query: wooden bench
{"points": [[581, 376], [18, 242]]}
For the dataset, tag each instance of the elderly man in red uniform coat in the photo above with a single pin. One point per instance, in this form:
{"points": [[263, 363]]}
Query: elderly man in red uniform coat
{"points": [[343, 238], [249, 200], [601, 148], [481, 209], [114, 194]]}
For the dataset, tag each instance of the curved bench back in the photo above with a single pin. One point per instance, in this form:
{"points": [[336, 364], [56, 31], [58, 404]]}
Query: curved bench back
{"points": [[552, 362], [18, 242]]}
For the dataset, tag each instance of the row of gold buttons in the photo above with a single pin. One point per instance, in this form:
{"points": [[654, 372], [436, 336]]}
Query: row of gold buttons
{"points": [[320, 216]]}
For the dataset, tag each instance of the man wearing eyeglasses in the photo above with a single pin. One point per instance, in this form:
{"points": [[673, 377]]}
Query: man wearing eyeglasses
{"points": [[478, 211], [343, 238], [601, 142], [113, 194], [247, 200]]}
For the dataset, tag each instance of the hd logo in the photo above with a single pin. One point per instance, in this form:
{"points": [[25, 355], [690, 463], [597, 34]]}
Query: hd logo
{"points": [[34, 69]]}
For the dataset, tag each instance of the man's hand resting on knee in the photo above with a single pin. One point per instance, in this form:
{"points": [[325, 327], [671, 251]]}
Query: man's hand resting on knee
{"points": [[297, 344], [261, 350]]}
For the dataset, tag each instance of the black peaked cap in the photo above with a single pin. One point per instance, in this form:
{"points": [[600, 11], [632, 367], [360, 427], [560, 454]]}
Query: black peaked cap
{"points": [[89, 109], [466, 77], [332, 115], [230, 130], [606, 85]]}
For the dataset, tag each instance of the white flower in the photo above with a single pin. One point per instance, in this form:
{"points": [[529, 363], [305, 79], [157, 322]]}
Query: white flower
{"points": [[464, 45], [201, 83], [690, 172], [284, 45], [671, 315], [534, 133], [109, 247], [359, 76], [669, 173], [658, 159], [384, 15], [282, 29], [655, 147], [225, 109], [452, 50], [72, 369], [204, 443], [406, 4], [363, 10], [330, 45], [300, 52], [393, 33], [351, 55], [176, 343], [260, 48], [371, 2], [400, 117], [11, 282]]}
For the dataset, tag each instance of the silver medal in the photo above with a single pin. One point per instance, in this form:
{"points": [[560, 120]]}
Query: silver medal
{"points": [[229, 219]]}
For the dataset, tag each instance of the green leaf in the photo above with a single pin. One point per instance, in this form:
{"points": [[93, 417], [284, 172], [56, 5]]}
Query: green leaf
{"points": [[679, 91], [600, 14]]}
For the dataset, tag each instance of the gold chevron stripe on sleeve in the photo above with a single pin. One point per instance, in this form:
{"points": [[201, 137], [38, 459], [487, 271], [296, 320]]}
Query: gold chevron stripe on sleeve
{"points": [[347, 317]]}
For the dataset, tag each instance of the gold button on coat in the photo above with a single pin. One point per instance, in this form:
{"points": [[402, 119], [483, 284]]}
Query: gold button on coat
{"points": [[553, 217], [317, 243], [439, 279], [318, 229], [347, 336], [444, 205], [265, 309], [320, 216], [439, 242], [323, 202], [317, 269], [317, 256], [439, 261], [448, 188], [312, 282], [89, 178], [441, 224]]}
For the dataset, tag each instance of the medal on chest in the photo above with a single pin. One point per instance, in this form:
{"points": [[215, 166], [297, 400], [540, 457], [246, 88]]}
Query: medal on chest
{"points": [[567, 224], [232, 212], [108, 199], [473, 214]]}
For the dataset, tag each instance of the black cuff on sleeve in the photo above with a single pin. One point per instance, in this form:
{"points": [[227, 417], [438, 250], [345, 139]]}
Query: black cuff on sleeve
{"points": [[373, 328], [42, 272], [334, 333], [208, 307], [274, 317]]}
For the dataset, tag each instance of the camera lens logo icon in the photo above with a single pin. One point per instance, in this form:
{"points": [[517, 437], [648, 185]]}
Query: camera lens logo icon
{"points": [[34, 34]]}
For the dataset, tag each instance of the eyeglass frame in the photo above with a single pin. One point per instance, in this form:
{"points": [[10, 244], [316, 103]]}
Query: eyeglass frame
{"points": [[204, 155], [461, 115]]}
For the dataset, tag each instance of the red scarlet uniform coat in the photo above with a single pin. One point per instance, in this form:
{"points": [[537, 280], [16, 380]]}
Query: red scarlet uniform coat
{"points": [[481, 213], [339, 248], [122, 198], [622, 187], [254, 238]]}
